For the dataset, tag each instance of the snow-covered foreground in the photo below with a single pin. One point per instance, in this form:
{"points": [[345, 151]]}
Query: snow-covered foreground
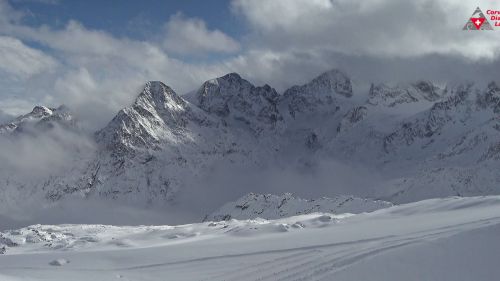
{"points": [[437, 239]]}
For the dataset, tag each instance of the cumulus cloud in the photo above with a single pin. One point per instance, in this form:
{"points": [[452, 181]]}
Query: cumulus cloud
{"points": [[282, 69], [374, 27], [20, 60], [287, 42], [95, 73], [191, 36]]}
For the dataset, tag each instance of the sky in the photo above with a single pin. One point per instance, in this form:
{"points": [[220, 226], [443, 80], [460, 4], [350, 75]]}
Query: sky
{"points": [[95, 56]]}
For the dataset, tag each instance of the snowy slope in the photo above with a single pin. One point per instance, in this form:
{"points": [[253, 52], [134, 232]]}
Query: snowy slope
{"points": [[268, 206], [152, 147], [41, 118], [452, 145], [437, 239]]}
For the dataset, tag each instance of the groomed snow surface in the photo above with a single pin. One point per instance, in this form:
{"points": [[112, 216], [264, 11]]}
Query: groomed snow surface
{"points": [[437, 239]]}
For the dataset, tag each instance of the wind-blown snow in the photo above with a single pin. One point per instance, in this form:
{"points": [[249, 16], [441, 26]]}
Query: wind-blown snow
{"points": [[437, 239]]}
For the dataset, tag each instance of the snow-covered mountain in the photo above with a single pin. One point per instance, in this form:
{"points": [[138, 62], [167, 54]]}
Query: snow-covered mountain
{"points": [[268, 206], [236, 99], [150, 148], [393, 96], [319, 94], [40, 118], [423, 140]]}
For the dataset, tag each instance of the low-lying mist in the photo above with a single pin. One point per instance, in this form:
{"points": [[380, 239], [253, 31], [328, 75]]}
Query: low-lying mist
{"points": [[37, 153], [37, 156], [327, 178], [201, 196]]}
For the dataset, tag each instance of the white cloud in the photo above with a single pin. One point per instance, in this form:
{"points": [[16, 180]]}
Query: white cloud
{"points": [[8, 14], [271, 16], [96, 73], [13, 107], [4, 117], [20, 60], [372, 27], [191, 36]]}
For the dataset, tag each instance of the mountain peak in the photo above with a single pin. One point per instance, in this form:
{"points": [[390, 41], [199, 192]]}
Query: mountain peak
{"points": [[231, 95], [42, 118], [157, 96], [322, 91], [331, 74], [232, 76], [330, 82], [157, 114], [383, 94], [157, 92], [41, 110], [333, 80]]}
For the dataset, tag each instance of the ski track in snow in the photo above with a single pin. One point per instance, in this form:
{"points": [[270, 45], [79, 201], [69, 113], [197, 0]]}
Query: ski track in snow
{"points": [[259, 250]]}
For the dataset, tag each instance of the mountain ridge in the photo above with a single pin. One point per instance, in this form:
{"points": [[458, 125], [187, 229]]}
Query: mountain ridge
{"points": [[158, 146]]}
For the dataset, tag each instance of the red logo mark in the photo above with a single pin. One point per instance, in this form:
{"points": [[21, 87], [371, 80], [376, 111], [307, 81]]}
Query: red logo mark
{"points": [[477, 22]]}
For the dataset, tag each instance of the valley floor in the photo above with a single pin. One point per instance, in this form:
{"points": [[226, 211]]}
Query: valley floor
{"points": [[437, 239]]}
